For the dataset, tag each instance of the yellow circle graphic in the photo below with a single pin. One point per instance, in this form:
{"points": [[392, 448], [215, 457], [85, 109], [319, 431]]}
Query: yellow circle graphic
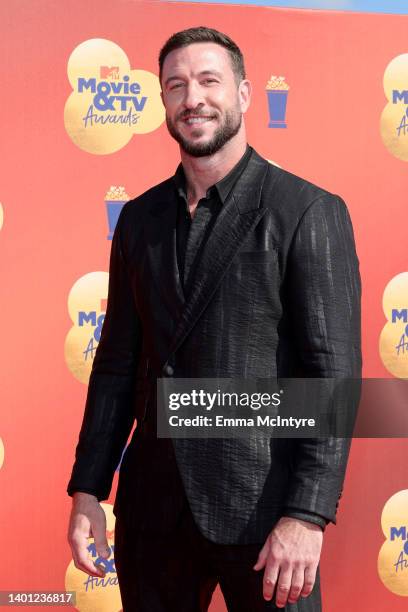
{"points": [[393, 556], [1, 453], [101, 594], [86, 307], [394, 118], [110, 102], [394, 336], [1, 215]]}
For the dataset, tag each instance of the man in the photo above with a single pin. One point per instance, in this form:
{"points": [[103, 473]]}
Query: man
{"points": [[232, 268]]}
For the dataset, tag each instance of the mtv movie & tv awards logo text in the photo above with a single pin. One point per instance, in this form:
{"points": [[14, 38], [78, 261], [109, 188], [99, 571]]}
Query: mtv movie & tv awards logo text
{"points": [[394, 118], [393, 343], [110, 102], [112, 96], [393, 556], [86, 306]]}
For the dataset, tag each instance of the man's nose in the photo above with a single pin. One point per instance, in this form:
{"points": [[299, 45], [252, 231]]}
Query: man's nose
{"points": [[193, 96]]}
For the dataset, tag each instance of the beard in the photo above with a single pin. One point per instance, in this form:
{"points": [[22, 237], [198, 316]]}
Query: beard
{"points": [[227, 130]]}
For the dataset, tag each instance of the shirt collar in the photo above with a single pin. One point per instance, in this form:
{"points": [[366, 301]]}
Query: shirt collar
{"points": [[223, 187]]}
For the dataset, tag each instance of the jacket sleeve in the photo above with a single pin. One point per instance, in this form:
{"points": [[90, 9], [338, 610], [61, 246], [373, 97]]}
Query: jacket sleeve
{"points": [[109, 413], [310, 517], [324, 292]]}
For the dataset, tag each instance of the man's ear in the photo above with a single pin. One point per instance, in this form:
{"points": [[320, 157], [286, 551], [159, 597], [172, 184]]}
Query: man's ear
{"points": [[245, 93]]}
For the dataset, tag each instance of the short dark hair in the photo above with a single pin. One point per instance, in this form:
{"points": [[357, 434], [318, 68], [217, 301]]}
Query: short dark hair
{"points": [[204, 34]]}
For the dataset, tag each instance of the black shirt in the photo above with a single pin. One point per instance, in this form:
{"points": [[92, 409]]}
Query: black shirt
{"points": [[192, 233]]}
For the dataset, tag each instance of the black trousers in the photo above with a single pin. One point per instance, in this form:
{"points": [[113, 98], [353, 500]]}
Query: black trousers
{"points": [[179, 570]]}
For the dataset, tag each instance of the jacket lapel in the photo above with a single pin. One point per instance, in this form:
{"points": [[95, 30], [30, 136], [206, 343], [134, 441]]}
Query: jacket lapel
{"points": [[161, 248], [238, 216]]}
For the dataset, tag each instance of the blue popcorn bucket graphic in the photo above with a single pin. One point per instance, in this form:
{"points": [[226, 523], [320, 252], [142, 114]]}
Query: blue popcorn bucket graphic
{"points": [[113, 208], [277, 100]]}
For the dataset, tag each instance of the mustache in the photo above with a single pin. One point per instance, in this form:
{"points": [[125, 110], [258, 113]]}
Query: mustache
{"points": [[195, 113]]}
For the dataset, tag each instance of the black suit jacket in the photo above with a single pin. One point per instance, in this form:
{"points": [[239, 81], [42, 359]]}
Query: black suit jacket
{"points": [[276, 293]]}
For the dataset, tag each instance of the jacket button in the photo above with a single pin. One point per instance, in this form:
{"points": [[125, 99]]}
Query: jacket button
{"points": [[168, 370]]}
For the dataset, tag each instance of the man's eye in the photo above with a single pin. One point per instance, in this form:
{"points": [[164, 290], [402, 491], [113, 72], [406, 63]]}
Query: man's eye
{"points": [[176, 86], [210, 80]]}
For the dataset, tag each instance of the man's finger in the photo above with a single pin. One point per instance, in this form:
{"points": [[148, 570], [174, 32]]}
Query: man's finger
{"points": [[86, 565], [298, 578], [310, 578], [270, 579], [262, 557], [101, 543], [283, 587], [81, 556]]}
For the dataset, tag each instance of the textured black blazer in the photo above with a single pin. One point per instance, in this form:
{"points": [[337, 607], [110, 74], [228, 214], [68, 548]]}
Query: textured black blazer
{"points": [[276, 293]]}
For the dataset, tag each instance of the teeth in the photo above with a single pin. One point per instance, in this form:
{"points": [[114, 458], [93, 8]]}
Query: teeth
{"points": [[197, 120]]}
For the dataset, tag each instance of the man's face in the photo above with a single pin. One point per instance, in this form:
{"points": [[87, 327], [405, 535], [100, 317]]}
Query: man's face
{"points": [[204, 103]]}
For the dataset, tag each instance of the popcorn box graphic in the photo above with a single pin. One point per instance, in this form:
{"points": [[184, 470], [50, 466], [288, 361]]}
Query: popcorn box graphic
{"points": [[277, 94], [115, 199]]}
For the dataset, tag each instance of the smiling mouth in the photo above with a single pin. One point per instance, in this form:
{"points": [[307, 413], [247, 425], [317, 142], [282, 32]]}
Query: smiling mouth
{"points": [[197, 120]]}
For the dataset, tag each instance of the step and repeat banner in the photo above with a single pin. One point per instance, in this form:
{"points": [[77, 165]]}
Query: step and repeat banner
{"points": [[83, 130]]}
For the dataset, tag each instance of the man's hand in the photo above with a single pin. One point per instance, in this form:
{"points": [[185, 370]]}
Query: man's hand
{"points": [[87, 520], [290, 556]]}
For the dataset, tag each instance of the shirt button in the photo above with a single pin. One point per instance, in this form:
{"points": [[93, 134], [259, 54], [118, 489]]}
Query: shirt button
{"points": [[168, 370]]}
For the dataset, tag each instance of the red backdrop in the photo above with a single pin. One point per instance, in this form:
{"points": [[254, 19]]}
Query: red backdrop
{"points": [[55, 232]]}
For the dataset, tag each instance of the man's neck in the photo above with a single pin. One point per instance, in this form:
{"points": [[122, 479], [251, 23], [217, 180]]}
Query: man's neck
{"points": [[202, 172]]}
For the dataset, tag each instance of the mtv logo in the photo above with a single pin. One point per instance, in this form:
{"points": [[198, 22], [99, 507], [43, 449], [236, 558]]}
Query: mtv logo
{"points": [[109, 72]]}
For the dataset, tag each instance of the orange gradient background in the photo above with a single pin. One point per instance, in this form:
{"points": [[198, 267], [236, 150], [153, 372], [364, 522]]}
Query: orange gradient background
{"points": [[55, 228]]}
